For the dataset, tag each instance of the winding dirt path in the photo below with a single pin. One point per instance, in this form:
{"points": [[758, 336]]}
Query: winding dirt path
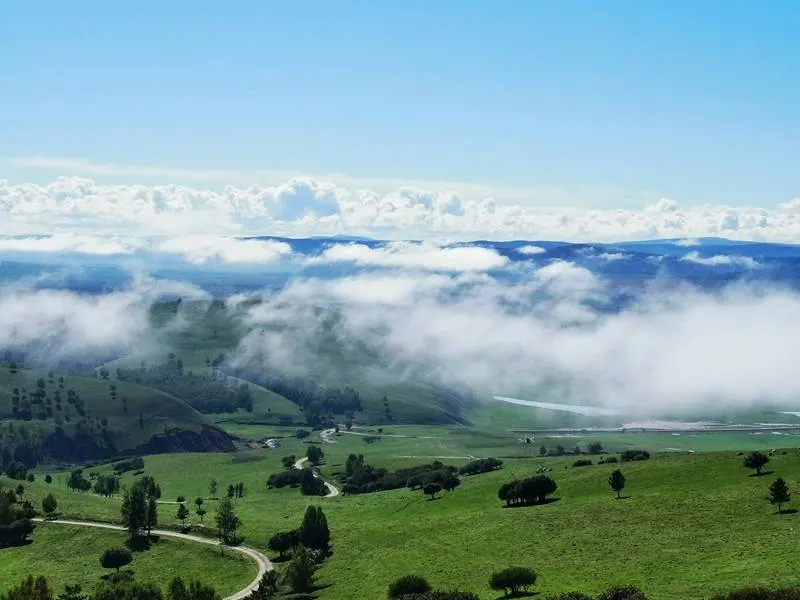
{"points": [[262, 561], [332, 489]]}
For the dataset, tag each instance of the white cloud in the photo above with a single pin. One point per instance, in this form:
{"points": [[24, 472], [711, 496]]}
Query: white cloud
{"points": [[415, 256], [201, 249], [721, 260], [687, 243], [531, 250], [70, 242], [303, 206], [611, 256]]}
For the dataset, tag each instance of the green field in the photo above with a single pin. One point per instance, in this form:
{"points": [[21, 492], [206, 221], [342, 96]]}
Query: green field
{"points": [[694, 524], [68, 554]]}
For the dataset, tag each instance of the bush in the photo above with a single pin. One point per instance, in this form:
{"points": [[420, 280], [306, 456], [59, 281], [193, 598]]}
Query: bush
{"points": [[594, 448], [761, 594], [527, 491], [482, 465], [131, 464], [452, 595], [631, 455], [608, 460], [114, 558], [290, 477], [622, 593], [582, 462], [181, 499], [570, 596], [408, 584], [513, 580]]}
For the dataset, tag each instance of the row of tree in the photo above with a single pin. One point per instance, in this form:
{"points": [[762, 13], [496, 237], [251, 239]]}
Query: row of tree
{"points": [[114, 588]]}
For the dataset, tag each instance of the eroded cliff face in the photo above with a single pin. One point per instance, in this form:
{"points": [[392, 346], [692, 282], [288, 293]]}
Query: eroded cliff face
{"points": [[83, 447]]}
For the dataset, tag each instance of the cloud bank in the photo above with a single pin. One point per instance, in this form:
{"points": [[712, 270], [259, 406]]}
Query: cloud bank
{"points": [[304, 206]]}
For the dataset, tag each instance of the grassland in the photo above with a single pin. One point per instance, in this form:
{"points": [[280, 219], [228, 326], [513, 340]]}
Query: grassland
{"points": [[694, 524], [159, 411], [68, 554]]}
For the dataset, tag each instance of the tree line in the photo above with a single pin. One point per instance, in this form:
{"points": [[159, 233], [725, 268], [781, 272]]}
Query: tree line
{"points": [[202, 392]]}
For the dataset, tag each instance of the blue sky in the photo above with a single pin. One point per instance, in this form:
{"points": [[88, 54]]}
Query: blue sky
{"points": [[592, 103]]}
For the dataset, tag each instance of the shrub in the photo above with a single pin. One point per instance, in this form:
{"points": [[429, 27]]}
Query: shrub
{"points": [[181, 499], [608, 460], [631, 455], [513, 580], [482, 465], [582, 462], [761, 594], [622, 593], [408, 584], [594, 448], [131, 464], [527, 491], [290, 477], [114, 558]]}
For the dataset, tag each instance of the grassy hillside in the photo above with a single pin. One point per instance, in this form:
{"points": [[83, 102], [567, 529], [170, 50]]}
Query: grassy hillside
{"points": [[68, 555], [128, 416], [694, 524]]}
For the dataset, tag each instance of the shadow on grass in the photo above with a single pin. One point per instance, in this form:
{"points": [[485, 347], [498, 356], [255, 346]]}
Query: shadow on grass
{"points": [[518, 595], [432, 499], [142, 543], [621, 497], [542, 503], [787, 511], [762, 474]]}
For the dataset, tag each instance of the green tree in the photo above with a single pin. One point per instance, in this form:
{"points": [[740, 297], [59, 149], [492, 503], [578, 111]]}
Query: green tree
{"points": [[431, 489], [48, 479], [30, 589], [212, 488], [314, 454], [227, 521], [288, 461], [617, 481], [283, 541], [151, 514], [201, 512], [299, 574], [779, 493], [756, 460], [114, 558], [199, 501], [513, 580], [49, 505], [182, 514], [267, 587], [178, 590], [314, 532], [408, 584], [134, 510]]}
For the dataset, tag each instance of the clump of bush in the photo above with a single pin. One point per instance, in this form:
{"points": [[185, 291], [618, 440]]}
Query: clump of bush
{"points": [[582, 462], [532, 490], [407, 585], [131, 464], [482, 465], [761, 594], [287, 478], [513, 580], [608, 460], [361, 478], [631, 455]]}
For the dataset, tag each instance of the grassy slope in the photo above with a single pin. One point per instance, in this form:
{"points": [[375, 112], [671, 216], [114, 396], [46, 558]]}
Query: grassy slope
{"points": [[694, 524], [159, 410], [69, 555]]}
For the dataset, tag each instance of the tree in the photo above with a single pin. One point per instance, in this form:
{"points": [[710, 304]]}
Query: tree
{"points": [[283, 541], [178, 590], [151, 515], [431, 489], [617, 481], [114, 558], [180, 499], [779, 492], [594, 448], [267, 587], [48, 479], [314, 532], [227, 521], [30, 589], [756, 460], [627, 592], [450, 482], [212, 488], [49, 505], [31, 478], [199, 501], [408, 584], [201, 512], [20, 490], [231, 491], [513, 580], [288, 461], [182, 514], [134, 510], [299, 574], [72, 592], [314, 454]]}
